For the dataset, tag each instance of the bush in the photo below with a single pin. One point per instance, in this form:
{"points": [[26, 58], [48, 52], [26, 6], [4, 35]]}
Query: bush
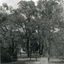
{"points": [[5, 57]]}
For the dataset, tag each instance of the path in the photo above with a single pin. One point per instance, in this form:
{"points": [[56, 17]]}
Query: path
{"points": [[28, 61], [34, 61]]}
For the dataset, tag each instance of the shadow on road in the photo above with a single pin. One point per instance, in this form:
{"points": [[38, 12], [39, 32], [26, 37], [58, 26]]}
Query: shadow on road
{"points": [[22, 62], [57, 61]]}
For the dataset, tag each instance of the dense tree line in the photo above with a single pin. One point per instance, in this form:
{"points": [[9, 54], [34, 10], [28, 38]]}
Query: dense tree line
{"points": [[33, 26]]}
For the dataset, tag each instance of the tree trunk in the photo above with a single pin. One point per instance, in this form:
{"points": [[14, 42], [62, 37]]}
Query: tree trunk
{"points": [[12, 46], [49, 52], [48, 55], [28, 47], [39, 47]]}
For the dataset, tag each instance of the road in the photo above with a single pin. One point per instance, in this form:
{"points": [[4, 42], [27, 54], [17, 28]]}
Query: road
{"points": [[28, 61], [33, 61]]}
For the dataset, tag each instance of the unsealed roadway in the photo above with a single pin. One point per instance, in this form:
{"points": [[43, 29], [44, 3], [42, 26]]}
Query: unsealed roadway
{"points": [[32, 61], [28, 61]]}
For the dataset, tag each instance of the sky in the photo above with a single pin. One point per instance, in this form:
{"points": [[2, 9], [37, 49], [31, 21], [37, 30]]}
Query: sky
{"points": [[13, 2]]}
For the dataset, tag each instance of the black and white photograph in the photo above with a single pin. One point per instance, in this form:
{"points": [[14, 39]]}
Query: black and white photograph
{"points": [[31, 31]]}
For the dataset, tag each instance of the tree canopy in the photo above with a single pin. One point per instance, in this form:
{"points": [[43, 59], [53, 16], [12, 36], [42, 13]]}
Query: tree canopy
{"points": [[31, 25]]}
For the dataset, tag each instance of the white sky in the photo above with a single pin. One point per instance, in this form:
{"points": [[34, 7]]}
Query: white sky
{"points": [[13, 2]]}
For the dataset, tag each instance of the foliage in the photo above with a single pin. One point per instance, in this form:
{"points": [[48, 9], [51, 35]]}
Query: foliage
{"points": [[31, 26]]}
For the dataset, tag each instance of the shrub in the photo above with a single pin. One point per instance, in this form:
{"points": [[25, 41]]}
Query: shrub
{"points": [[5, 57]]}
